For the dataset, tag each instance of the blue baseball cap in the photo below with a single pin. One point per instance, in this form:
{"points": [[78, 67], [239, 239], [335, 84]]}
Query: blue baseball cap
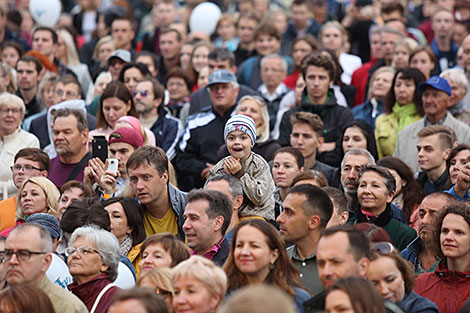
{"points": [[221, 77], [49, 222], [438, 83]]}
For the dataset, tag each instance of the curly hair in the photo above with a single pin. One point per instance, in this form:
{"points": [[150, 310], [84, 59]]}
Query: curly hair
{"points": [[318, 59]]}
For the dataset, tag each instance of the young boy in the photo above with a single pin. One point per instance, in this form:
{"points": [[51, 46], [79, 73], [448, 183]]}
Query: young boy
{"points": [[252, 170], [434, 145]]}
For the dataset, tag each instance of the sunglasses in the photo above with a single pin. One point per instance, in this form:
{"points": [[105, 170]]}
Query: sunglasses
{"points": [[383, 247], [143, 93]]}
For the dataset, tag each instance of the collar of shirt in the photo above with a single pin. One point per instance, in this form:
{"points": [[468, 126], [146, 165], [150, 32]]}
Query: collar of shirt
{"points": [[440, 122], [280, 90], [213, 251]]}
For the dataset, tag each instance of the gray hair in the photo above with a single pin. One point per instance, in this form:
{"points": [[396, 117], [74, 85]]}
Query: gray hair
{"points": [[389, 30], [359, 151], [80, 116], [457, 76], [12, 100], [44, 235], [106, 244], [275, 56], [235, 186]]}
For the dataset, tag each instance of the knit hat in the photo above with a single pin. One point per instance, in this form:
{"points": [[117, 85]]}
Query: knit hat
{"points": [[126, 135], [242, 123], [47, 221]]}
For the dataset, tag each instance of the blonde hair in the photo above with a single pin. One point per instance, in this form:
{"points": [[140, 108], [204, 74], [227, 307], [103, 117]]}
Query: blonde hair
{"points": [[7, 71], [338, 26], [50, 190], [12, 100], [102, 41], [72, 54], [159, 277], [380, 70], [262, 132], [210, 275]]}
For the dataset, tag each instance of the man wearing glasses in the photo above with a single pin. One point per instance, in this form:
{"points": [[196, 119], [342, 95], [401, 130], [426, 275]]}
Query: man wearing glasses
{"points": [[27, 257], [29, 162], [148, 98]]}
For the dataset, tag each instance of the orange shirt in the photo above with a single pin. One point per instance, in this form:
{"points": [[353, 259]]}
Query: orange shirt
{"points": [[7, 213]]}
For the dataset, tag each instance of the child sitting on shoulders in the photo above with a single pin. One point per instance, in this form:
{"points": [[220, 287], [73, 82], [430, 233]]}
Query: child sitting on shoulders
{"points": [[251, 168]]}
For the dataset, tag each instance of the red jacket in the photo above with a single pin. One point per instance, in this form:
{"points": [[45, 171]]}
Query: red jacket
{"points": [[359, 79], [447, 289]]}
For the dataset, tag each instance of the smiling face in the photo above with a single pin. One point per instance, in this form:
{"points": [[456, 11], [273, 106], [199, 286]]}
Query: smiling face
{"points": [[191, 296], [200, 58], [239, 144], [354, 138], [387, 278], [10, 56], [252, 254], [33, 199], [456, 163], [372, 193], [455, 237], [201, 231], [266, 44], [284, 170], [155, 256]]}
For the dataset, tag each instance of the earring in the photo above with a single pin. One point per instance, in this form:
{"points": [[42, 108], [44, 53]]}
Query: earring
{"points": [[271, 266]]}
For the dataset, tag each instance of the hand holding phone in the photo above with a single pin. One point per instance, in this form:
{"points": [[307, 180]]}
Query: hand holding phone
{"points": [[113, 165]]}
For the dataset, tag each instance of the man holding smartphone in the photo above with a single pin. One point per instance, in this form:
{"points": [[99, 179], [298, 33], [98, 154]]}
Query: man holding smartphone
{"points": [[122, 143]]}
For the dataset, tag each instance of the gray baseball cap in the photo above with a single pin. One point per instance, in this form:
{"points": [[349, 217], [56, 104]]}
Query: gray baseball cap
{"points": [[221, 77], [121, 54]]}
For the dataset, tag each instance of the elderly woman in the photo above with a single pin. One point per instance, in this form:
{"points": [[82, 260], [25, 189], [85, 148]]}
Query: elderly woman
{"points": [[12, 112], [394, 278], [459, 83], [93, 259], [375, 192], [449, 285], [162, 250], [199, 286], [256, 108], [36, 195]]}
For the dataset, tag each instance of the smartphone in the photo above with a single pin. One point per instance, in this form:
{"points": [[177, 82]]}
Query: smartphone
{"points": [[99, 148], [113, 165]]}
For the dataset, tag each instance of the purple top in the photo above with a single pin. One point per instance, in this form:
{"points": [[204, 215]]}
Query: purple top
{"points": [[59, 172]]}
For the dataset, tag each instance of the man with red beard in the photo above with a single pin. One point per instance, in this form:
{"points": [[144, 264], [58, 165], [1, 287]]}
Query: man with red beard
{"points": [[419, 251]]}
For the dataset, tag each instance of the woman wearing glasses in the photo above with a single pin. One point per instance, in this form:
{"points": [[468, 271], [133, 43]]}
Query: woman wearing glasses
{"points": [[394, 278], [93, 259], [449, 285]]}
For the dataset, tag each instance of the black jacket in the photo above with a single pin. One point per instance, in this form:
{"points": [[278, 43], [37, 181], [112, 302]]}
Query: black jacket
{"points": [[334, 118]]}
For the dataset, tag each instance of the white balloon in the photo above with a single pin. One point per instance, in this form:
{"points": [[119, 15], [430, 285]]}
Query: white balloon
{"points": [[45, 12], [204, 18]]}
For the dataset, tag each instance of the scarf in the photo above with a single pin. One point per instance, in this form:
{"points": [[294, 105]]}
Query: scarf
{"points": [[125, 246], [405, 114]]}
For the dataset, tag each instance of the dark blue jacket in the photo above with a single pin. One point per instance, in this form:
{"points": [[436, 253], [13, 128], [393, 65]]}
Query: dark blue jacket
{"points": [[363, 112], [414, 303], [167, 130]]}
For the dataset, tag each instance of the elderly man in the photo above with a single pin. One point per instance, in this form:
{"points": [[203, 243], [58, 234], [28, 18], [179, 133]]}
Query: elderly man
{"points": [[420, 251], [436, 100], [197, 149], [12, 139], [206, 220], [273, 73], [70, 136], [27, 257], [459, 84]]}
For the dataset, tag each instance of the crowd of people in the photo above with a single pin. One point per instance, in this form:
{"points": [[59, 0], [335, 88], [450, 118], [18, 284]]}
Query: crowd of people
{"points": [[307, 156]]}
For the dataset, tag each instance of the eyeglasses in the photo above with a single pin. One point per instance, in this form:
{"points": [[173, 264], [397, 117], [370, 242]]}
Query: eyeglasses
{"points": [[22, 255], [27, 168], [383, 247], [81, 250], [2, 256], [143, 93], [12, 110]]}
